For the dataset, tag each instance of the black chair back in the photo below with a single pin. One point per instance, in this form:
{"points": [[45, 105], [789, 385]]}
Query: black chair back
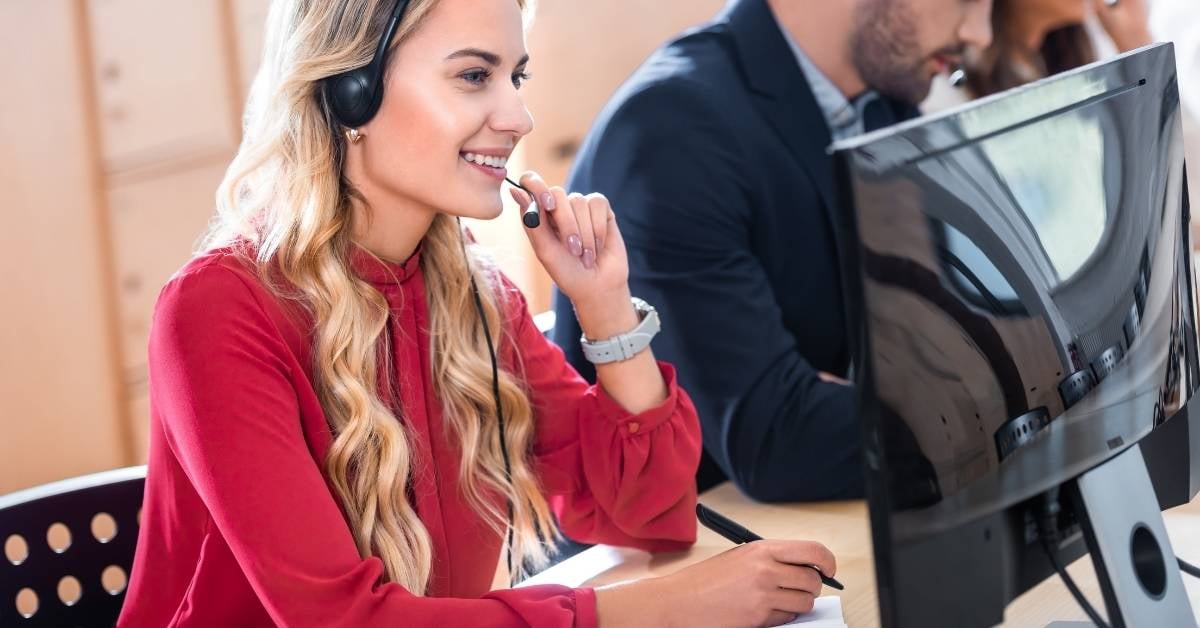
{"points": [[72, 543]]}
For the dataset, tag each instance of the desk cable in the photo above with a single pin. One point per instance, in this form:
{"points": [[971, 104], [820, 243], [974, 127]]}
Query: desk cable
{"points": [[1188, 568], [1047, 515]]}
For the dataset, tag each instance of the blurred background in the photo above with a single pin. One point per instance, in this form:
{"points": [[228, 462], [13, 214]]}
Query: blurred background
{"points": [[118, 120]]}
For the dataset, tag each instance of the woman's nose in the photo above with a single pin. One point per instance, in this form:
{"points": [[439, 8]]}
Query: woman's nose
{"points": [[512, 116]]}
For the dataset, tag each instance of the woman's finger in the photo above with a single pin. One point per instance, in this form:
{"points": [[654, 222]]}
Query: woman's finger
{"points": [[803, 553], [779, 618], [587, 236], [791, 601], [598, 210], [533, 182], [522, 197], [543, 240], [564, 222], [799, 578]]}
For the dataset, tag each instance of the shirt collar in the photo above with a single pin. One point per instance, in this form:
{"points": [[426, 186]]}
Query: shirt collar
{"points": [[380, 272], [844, 118]]}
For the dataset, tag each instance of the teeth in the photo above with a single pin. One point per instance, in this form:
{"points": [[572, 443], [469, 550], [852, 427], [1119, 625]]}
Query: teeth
{"points": [[486, 160]]}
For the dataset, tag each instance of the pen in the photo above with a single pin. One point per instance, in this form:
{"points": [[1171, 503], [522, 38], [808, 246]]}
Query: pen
{"points": [[722, 525]]}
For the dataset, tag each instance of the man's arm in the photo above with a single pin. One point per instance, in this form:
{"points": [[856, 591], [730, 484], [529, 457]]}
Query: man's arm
{"points": [[682, 188]]}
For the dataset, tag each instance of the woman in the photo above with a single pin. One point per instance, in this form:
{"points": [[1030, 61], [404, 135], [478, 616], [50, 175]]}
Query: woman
{"points": [[326, 445], [1038, 38]]}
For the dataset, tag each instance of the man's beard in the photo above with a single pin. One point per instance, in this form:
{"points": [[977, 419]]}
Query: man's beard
{"points": [[885, 50]]}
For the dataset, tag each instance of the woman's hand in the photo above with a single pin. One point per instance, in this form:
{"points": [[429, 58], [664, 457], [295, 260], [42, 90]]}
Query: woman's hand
{"points": [[765, 583], [580, 246], [1127, 23]]}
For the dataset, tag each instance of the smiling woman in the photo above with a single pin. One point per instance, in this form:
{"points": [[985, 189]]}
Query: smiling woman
{"points": [[341, 239], [352, 412]]}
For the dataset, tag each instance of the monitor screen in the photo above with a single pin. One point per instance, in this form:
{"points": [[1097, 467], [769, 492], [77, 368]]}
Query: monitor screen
{"points": [[1024, 306]]}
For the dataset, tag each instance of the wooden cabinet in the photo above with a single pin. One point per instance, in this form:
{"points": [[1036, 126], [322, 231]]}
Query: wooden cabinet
{"points": [[164, 89], [155, 226], [58, 377]]}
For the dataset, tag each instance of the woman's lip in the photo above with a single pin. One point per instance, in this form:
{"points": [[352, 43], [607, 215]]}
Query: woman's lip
{"points": [[495, 173]]}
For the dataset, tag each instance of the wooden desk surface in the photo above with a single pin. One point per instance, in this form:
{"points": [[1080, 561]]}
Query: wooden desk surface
{"points": [[843, 526]]}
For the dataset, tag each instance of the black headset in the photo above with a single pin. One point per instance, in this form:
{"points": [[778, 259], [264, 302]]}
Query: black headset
{"points": [[354, 98]]}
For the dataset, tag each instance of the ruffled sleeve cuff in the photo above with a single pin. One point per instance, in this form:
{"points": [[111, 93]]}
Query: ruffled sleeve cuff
{"points": [[631, 425], [585, 608]]}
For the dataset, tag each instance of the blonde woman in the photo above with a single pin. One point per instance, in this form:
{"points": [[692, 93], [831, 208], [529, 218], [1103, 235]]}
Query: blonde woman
{"points": [[330, 443]]}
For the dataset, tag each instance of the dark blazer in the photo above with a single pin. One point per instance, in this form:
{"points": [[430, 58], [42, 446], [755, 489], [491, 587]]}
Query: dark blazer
{"points": [[714, 157]]}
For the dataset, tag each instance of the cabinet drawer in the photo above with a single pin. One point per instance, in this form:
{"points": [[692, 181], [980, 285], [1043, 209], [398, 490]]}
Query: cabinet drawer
{"points": [[163, 87], [155, 227]]}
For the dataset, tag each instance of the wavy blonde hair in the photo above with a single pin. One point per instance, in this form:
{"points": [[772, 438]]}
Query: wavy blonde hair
{"points": [[286, 203]]}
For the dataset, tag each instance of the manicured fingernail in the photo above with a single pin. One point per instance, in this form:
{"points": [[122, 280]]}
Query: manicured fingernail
{"points": [[575, 245], [548, 202], [589, 258]]}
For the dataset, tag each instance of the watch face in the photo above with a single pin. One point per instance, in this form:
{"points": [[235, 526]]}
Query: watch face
{"points": [[643, 309]]}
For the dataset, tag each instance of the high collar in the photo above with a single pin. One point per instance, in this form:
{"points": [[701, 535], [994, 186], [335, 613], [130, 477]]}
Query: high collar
{"points": [[382, 273]]}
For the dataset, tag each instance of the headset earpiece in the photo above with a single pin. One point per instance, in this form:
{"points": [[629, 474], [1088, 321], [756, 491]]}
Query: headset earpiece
{"points": [[354, 97]]}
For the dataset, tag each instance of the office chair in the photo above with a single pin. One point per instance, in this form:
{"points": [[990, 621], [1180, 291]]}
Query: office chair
{"points": [[68, 549]]}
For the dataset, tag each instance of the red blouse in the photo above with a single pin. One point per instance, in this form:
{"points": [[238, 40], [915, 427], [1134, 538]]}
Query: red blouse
{"points": [[239, 527]]}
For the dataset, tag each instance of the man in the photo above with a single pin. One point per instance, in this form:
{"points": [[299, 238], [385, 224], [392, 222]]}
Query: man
{"points": [[714, 157]]}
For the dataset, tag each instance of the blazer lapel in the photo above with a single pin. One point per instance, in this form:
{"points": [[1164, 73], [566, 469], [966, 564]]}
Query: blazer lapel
{"points": [[784, 95]]}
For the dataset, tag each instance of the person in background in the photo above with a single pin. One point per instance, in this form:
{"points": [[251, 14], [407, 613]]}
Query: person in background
{"points": [[1036, 38], [714, 154], [332, 440]]}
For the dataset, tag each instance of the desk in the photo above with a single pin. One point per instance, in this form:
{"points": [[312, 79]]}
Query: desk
{"points": [[845, 529]]}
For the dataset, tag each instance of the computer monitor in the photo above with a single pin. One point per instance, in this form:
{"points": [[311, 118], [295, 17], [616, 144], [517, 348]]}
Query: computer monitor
{"points": [[1021, 292]]}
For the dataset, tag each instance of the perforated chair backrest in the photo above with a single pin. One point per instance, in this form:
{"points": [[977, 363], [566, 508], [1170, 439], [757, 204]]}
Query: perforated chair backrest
{"points": [[88, 507]]}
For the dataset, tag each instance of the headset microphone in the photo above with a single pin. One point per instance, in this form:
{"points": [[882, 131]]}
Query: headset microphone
{"points": [[958, 77], [530, 216]]}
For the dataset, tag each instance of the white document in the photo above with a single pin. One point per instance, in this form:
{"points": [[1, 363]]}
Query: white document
{"points": [[826, 613]]}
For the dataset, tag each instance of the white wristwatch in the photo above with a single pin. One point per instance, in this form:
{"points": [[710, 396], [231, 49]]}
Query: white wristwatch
{"points": [[624, 346]]}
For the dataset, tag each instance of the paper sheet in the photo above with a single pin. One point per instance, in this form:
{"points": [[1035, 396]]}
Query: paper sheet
{"points": [[826, 613]]}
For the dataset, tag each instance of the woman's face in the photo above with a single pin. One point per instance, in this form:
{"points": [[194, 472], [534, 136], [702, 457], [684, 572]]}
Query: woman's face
{"points": [[450, 102]]}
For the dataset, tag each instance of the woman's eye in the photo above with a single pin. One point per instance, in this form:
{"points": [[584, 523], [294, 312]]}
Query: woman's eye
{"points": [[519, 79], [475, 77]]}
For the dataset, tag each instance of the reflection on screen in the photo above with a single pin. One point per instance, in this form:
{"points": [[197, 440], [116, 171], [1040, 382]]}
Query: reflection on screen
{"points": [[1065, 206]]}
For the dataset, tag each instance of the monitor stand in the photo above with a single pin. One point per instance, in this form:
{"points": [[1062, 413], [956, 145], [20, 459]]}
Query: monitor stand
{"points": [[1123, 526]]}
